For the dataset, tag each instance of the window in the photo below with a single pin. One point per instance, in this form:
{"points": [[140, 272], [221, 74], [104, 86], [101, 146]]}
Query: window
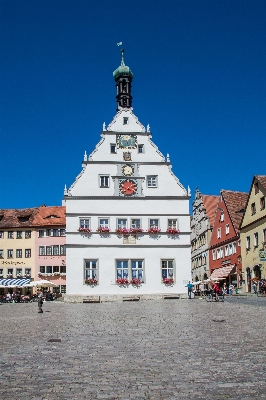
{"points": [[172, 223], [10, 271], [262, 203], [141, 148], [214, 254], [48, 250], [230, 249], [256, 239], [154, 223], [18, 271], [248, 242], [222, 216], [1, 271], [62, 232], [239, 243], [41, 251], [55, 250], [41, 232], [10, 234], [48, 232], [218, 233], [10, 253], [227, 229], [91, 270], [49, 269], [112, 148], [264, 235], [27, 234], [27, 253], [256, 187], [19, 234], [218, 254], [104, 181], [84, 223], [63, 288], [62, 269], [19, 253], [62, 250], [137, 269], [151, 181], [28, 272], [1, 235], [167, 269], [1, 253], [222, 252], [253, 208], [234, 248], [135, 223], [104, 222], [226, 251], [121, 223], [56, 232], [42, 269], [121, 269], [125, 121]]}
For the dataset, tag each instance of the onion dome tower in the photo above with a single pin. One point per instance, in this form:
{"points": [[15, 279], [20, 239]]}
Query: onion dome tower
{"points": [[123, 77]]}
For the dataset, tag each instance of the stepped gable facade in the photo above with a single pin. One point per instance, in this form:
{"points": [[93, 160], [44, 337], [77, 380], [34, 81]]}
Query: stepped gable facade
{"points": [[253, 233], [225, 241], [127, 214], [203, 214]]}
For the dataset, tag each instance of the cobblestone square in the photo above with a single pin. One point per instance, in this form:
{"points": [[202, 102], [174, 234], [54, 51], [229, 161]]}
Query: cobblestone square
{"points": [[171, 349]]}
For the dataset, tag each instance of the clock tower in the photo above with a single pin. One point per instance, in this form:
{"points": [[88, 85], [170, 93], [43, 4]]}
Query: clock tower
{"points": [[123, 77], [127, 214]]}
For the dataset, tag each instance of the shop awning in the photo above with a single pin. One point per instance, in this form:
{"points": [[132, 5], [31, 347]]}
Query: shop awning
{"points": [[14, 282], [222, 272]]}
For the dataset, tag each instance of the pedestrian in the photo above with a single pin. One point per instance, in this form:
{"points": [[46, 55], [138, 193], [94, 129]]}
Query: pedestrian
{"points": [[40, 301], [224, 289], [216, 290], [255, 287], [231, 289], [201, 288], [189, 289]]}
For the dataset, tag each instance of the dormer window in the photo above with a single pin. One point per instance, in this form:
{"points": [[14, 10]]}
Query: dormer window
{"points": [[25, 218], [256, 187], [222, 216], [51, 216], [125, 121]]}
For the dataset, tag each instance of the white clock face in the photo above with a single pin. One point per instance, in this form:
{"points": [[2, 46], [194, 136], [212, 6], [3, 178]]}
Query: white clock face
{"points": [[127, 170]]}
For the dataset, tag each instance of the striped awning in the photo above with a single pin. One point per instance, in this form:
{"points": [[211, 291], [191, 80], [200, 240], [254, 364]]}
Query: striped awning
{"points": [[222, 272], [15, 282]]}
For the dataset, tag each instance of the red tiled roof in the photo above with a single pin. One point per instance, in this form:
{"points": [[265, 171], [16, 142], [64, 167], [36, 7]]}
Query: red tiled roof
{"points": [[262, 180], [17, 218], [50, 216], [210, 204], [235, 203]]}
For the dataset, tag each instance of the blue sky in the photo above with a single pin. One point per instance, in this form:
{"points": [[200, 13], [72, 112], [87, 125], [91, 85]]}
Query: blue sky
{"points": [[199, 81]]}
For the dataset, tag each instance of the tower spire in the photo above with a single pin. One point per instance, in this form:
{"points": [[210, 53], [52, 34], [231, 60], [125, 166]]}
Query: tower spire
{"points": [[123, 77]]}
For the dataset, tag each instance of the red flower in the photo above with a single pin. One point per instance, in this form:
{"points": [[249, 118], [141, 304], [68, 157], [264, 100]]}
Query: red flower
{"points": [[87, 230], [173, 231], [154, 230], [122, 281], [136, 281], [168, 281], [102, 229]]}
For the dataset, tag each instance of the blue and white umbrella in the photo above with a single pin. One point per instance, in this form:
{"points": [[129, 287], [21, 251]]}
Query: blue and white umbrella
{"points": [[14, 282]]}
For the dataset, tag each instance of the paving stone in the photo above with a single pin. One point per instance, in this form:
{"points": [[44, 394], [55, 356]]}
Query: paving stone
{"points": [[145, 350]]}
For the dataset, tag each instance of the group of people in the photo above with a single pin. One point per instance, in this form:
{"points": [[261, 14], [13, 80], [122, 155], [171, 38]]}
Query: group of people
{"points": [[214, 286], [259, 286]]}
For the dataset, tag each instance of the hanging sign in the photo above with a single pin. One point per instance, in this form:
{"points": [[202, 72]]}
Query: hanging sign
{"points": [[262, 255]]}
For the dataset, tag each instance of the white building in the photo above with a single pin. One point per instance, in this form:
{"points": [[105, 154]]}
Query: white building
{"points": [[127, 190]]}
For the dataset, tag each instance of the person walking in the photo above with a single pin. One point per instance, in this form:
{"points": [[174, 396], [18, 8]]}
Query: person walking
{"points": [[231, 289], [255, 287], [40, 301], [224, 289], [189, 289]]}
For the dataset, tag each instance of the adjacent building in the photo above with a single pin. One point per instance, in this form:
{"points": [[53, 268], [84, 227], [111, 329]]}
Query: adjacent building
{"points": [[202, 220], [253, 233], [225, 240], [127, 214]]}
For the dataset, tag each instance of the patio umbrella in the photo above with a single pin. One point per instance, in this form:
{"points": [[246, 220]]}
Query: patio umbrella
{"points": [[43, 283], [196, 283]]}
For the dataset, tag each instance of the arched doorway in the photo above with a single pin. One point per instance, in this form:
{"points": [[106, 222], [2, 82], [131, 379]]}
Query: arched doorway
{"points": [[248, 281], [257, 272]]}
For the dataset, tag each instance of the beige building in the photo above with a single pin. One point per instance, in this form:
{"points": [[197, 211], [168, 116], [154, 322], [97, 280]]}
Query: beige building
{"points": [[253, 234]]}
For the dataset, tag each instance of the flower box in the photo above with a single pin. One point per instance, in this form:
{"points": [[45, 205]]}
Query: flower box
{"points": [[154, 230], [27, 275], [91, 281], [123, 231], [122, 281], [168, 281], [10, 276], [85, 230], [173, 231], [136, 230], [136, 282], [103, 230]]}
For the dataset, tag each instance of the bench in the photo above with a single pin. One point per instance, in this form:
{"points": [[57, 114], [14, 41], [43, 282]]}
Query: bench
{"points": [[131, 298], [95, 299], [171, 296]]}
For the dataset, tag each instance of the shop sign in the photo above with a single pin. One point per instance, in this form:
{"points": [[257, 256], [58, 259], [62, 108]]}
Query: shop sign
{"points": [[262, 255]]}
